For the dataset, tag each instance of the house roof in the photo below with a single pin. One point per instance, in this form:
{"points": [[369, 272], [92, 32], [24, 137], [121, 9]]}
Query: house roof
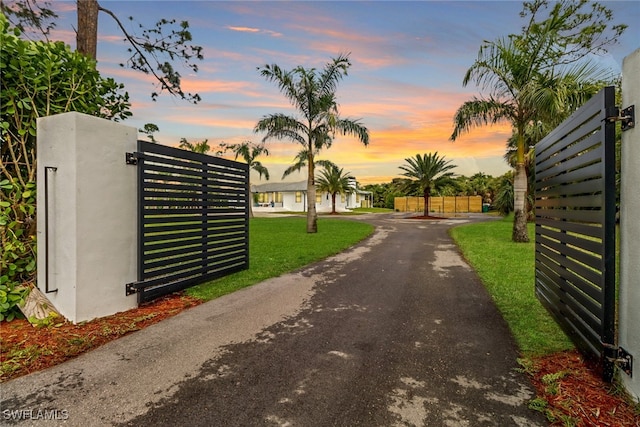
{"points": [[280, 187], [283, 187]]}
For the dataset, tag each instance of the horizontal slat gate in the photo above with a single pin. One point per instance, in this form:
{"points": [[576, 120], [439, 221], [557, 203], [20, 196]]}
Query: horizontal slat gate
{"points": [[193, 219], [575, 227]]}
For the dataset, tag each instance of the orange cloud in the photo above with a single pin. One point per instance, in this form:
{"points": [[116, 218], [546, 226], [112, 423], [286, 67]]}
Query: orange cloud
{"points": [[218, 86]]}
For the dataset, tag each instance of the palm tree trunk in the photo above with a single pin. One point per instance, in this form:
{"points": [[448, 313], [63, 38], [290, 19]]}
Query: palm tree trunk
{"points": [[520, 232], [312, 216], [427, 193], [333, 203], [250, 200]]}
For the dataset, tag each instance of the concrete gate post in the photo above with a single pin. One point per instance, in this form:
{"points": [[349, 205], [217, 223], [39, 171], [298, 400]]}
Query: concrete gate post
{"points": [[629, 306], [86, 215]]}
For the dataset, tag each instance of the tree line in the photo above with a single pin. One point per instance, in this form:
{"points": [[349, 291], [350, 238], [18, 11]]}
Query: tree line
{"points": [[496, 191]]}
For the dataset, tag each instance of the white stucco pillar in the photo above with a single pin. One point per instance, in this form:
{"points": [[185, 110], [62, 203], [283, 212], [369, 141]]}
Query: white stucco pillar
{"points": [[629, 308], [87, 224]]}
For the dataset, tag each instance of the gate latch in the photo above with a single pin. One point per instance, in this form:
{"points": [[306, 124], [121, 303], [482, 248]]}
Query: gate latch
{"points": [[627, 116]]}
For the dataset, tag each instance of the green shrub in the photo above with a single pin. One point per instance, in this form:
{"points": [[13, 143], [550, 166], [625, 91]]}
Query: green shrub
{"points": [[11, 296], [38, 79]]}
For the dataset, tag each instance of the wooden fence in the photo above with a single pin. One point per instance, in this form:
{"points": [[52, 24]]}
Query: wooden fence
{"points": [[453, 204]]}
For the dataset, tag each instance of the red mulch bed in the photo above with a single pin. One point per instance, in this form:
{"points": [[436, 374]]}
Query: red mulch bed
{"points": [[25, 348], [579, 394]]}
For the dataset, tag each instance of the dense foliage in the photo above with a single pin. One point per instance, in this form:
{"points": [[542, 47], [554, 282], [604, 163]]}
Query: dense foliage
{"points": [[38, 79]]}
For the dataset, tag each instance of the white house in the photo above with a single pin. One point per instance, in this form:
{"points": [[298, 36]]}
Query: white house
{"points": [[292, 196]]}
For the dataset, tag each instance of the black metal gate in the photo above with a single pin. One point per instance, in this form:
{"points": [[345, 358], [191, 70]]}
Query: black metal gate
{"points": [[193, 219], [575, 228]]}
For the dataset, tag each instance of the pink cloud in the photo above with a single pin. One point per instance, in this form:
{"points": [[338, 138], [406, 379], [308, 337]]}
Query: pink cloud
{"points": [[68, 37], [253, 30], [243, 29]]}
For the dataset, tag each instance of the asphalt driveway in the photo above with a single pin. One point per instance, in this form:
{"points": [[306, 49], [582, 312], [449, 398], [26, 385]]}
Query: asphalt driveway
{"points": [[396, 331]]}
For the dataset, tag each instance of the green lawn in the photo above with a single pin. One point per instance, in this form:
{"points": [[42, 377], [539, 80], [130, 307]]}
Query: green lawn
{"points": [[371, 210], [354, 211], [280, 245], [507, 271]]}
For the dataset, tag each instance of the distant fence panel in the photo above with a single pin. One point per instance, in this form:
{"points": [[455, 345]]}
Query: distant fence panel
{"points": [[449, 204], [575, 227], [193, 219]]}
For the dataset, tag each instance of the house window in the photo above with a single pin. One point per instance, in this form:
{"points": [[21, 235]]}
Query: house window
{"points": [[298, 196], [278, 197], [357, 198], [318, 197], [262, 198], [343, 198]]}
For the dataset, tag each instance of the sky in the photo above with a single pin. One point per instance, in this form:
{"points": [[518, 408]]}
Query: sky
{"points": [[405, 83]]}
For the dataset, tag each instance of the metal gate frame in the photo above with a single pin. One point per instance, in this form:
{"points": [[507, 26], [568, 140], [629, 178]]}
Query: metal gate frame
{"points": [[575, 229], [193, 219]]}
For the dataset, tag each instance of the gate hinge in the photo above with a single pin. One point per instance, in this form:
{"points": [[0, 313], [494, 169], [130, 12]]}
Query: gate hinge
{"points": [[620, 358], [627, 116], [132, 158], [131, 288]]}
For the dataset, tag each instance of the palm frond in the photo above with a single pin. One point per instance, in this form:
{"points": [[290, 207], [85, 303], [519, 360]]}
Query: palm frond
{"points": [[480, 112], [353, 128], [282, 127], [333, 72], [261, 169]]}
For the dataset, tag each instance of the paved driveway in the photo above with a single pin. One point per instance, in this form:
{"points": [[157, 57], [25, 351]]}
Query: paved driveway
{"points": [[397, 331]]}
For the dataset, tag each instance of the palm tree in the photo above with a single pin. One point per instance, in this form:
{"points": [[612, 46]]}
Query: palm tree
{"points": [[538, 78], [313, 94], [334, 180], [522, 91], [249, 152], [202, 147], [424, 171]]}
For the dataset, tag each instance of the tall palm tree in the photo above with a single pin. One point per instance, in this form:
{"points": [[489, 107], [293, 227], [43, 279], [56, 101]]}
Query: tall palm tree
{"points": [[313, 94], [424, 171], [523, 90], [249, 152], [538, 78], [334, 181]]}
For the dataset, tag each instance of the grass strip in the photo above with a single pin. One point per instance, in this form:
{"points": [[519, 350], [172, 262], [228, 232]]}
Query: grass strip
{"points": [[507, 271], [281, 245]]}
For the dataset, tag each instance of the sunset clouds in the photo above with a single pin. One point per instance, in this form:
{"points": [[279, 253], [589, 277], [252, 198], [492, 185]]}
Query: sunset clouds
{"points": [[405, 83]]}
